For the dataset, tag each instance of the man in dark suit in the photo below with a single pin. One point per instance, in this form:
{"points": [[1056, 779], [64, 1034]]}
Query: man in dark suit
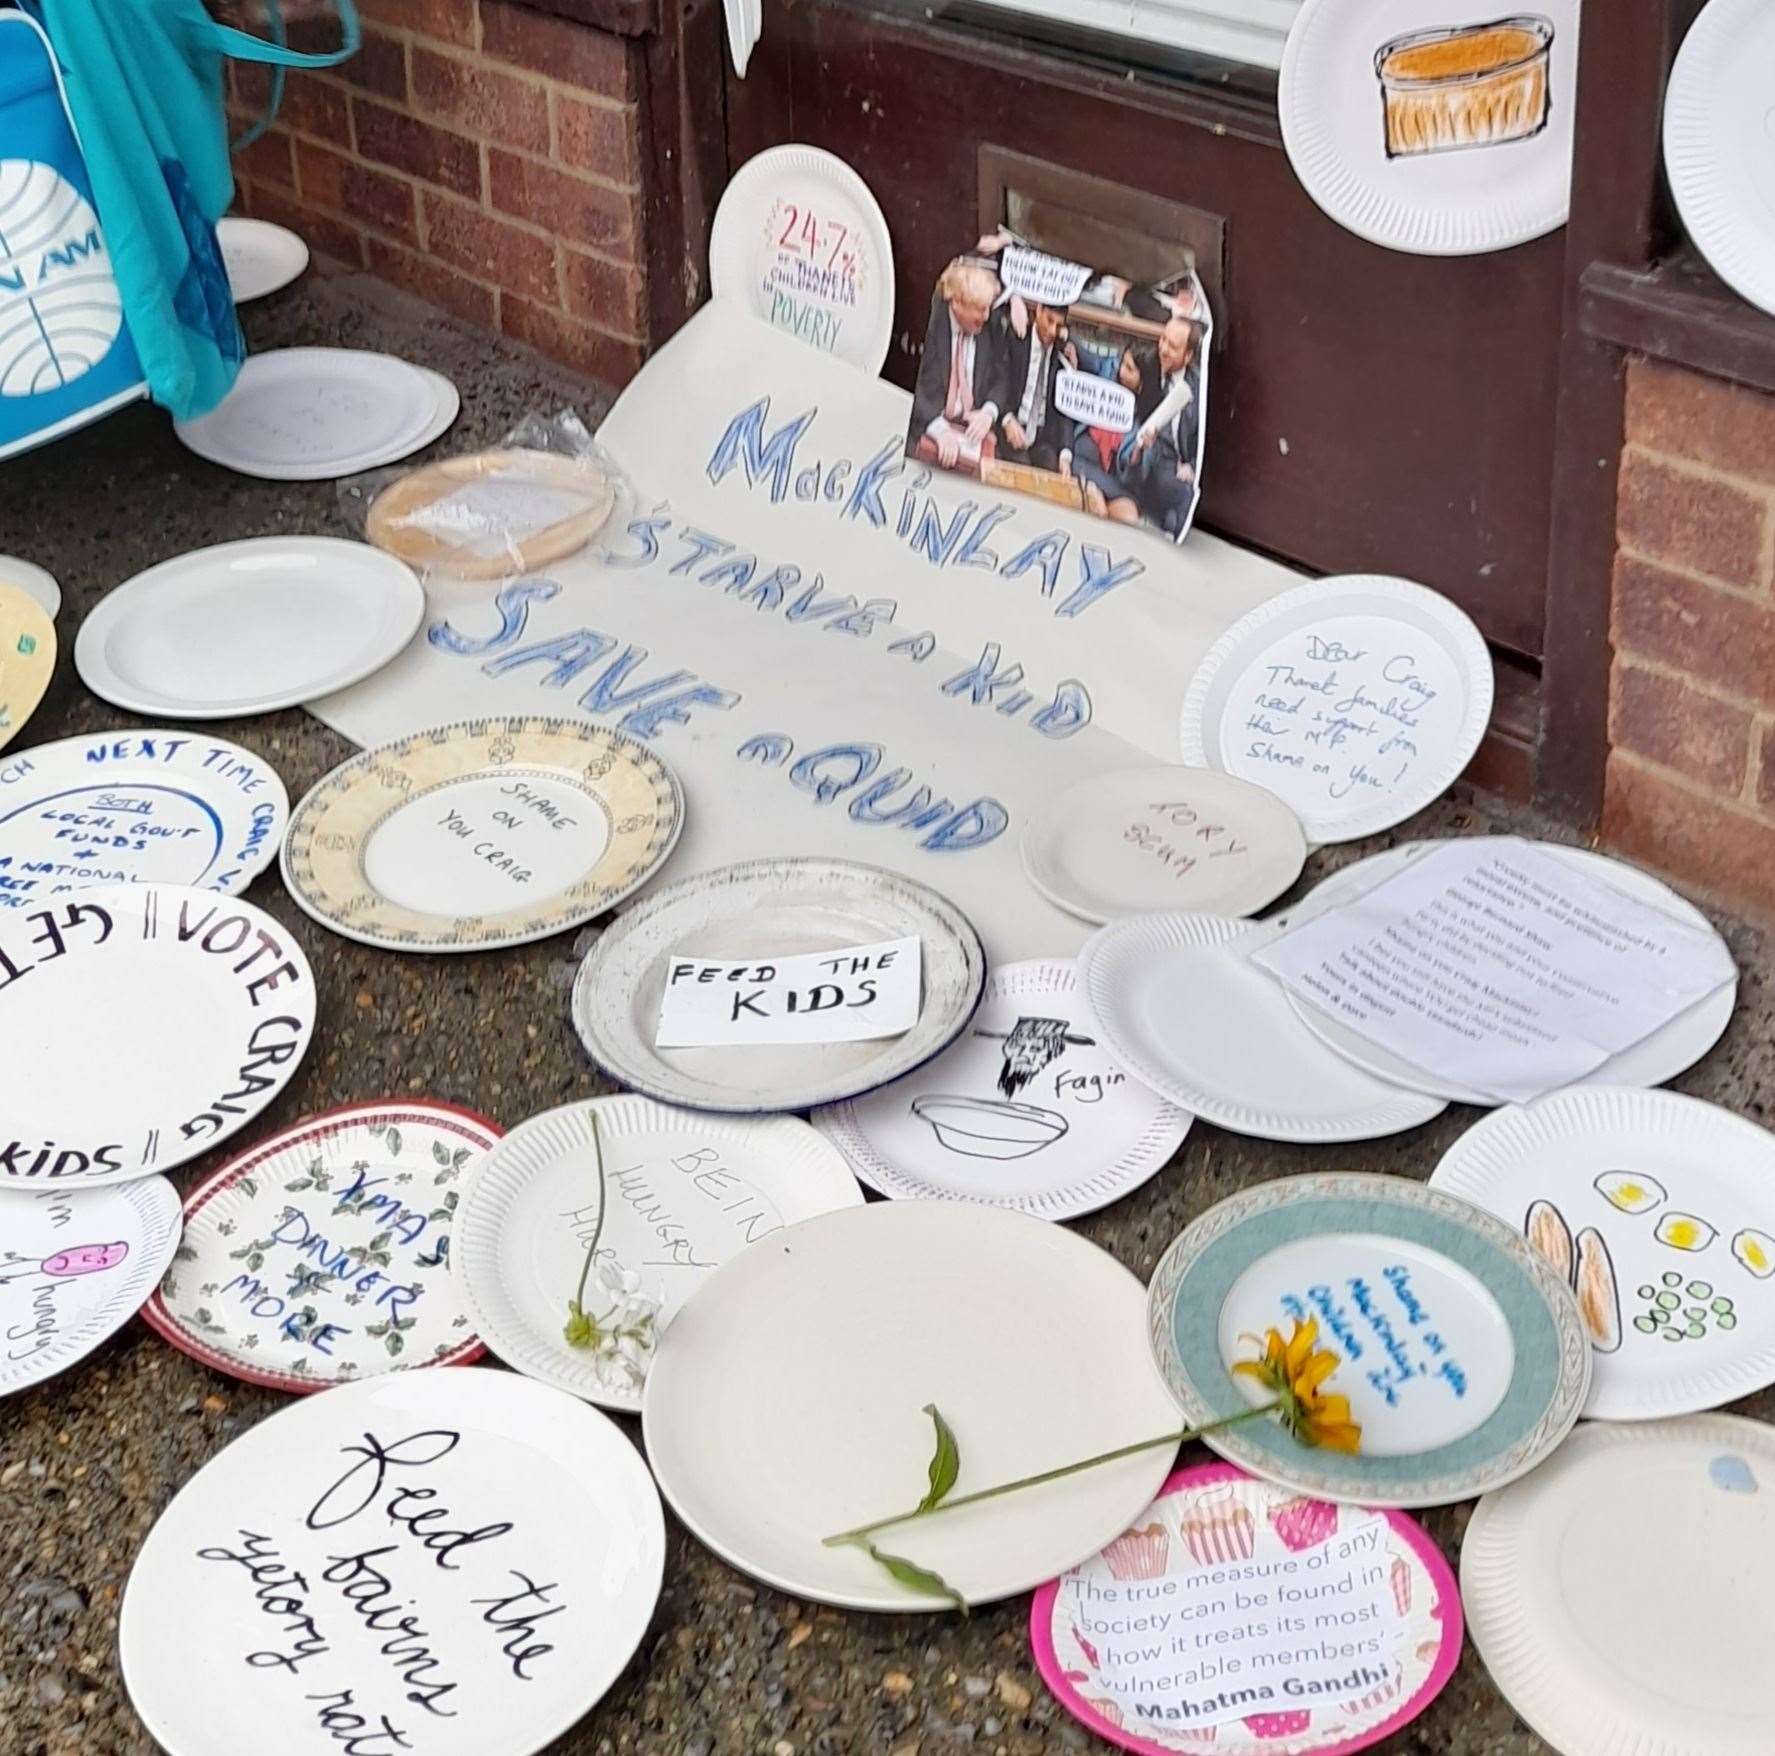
{"points": [[1030, 429], [955, 401], [1165, 445]]}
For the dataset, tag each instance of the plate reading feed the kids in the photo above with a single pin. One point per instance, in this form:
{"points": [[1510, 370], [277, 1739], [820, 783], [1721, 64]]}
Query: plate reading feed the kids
{"points": [[27, 657], [1241, 1619]]}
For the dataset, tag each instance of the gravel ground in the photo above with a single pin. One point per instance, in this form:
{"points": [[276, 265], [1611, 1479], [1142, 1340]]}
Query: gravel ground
{"points": [[88, 1460]]}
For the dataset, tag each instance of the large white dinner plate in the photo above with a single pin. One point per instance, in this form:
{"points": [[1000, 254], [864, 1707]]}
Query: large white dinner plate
{"points": [[1719, 143], [465, 1556], [1444, 131], [772, 908], [1026, 1109], [1621, 1596], [314, 414], [248, 627], [800, 242], [786, 1401], [1357, 700], [682, 1192], [75, 1266], [1660, 1209], [260, 258], [141, 1024], [137, 807], [36, 582], [1182, 1006], [1661, 1056]]}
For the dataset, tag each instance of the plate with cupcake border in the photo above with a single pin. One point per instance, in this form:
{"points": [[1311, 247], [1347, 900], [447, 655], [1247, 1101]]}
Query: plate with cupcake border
{"points": [[1228, 1566]]}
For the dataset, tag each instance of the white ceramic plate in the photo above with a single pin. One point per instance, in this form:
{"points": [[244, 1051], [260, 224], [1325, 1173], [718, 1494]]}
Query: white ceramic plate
{"points": [[1621, 1596], [137, 807], [1661, 1056], [489, 833], [1661, 1211], [248, 627], [1146, 839], [260, 258], [1026, 1109], [315, 414], [801, 243], [1444, 131], [155, 1022], [1719, 144], [323, 1254], [1357, 700], [785, 1403], [27, 658], [506, 1539], [1181, 1005], [682, 1193], [75, 1266], [36, 582], [774, 908], [1462, 1352]]}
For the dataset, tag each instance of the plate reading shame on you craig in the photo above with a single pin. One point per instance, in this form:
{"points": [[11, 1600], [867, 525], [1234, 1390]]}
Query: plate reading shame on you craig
{"points": [[154, 1020]]}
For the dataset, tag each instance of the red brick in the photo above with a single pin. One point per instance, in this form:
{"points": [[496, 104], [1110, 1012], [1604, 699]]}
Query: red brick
{"points": [[1727, 851], [1689, 414], [421, 149], [612, 294], [575, 54], [323, 233], [268, 160], [1693, 522], [380, 66], [1723, 641], [574, 209], [312, 108], [492, 249], [609, 358], [433, 282], [1665, 721], [600, 138], [1766, 767], [450, 21], [332, 181], [506, 107]]}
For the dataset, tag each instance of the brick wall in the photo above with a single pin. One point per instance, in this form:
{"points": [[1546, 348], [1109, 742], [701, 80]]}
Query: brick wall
{"points": [[1691, 777], [480, 154]]}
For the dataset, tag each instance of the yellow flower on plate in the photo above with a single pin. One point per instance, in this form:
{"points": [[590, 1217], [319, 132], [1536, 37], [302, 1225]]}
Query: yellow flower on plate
{"points": [[1293, 1371]]}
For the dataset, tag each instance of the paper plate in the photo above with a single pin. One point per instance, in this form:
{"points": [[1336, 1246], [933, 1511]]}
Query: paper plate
{"points": [[248, 627], [1181, 1005], [314, 414], [323, 1254], [486, 833], [1357, 700], [1442, 133], [34, 581], [466, 1557], [772, 908], [1620, 1595], [1245, 1694], [156, 1022], [27, 658], [1661, 1056], [686, 1193], [137, 807], [800, 242], [1447, 1411], [786, 1401], [1164, 837], [260, 258], [75, 1266], [1025, 1109], [1660, 1209], [1718, 130]]}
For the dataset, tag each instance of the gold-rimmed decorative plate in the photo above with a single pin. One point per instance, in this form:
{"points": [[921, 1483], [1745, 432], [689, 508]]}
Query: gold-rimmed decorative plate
{"points": [[487, 833]]}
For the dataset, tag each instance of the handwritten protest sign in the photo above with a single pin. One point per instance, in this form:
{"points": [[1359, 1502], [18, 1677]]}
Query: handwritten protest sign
{"points": [[1034, 274]]}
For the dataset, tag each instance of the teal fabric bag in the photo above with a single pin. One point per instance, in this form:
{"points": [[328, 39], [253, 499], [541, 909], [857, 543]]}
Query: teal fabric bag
{"points": [[144, 85]]}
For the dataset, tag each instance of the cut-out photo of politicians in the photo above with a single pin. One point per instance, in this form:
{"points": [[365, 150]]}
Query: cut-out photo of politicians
{"points": [[1051, 378]]}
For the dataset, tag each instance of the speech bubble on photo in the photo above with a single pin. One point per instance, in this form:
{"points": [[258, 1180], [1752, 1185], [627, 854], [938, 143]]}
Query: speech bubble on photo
{"points": [[1048, 280], [1098, 402]]}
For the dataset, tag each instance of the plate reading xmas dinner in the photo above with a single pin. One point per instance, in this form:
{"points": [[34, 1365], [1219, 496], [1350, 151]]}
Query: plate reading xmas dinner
{"points": [[88, 985]]}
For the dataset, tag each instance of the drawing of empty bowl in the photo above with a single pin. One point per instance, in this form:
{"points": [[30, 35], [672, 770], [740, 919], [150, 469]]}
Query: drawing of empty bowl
{"points": [[989, 1127], [1465, 86]]}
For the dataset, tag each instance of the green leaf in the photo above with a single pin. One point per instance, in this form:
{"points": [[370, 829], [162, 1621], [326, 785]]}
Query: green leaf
{"points": [[392, 1139], [945, 1461], [440, 1152], [919, 1579]]}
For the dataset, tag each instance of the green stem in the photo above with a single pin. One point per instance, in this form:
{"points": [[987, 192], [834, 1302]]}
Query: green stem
{"points": [[585, 1268], [1048, 1475]]}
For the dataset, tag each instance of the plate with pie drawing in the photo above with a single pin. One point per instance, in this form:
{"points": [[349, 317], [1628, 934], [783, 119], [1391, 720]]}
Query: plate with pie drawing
{"points": [[488, 833], [1433, 126]]}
